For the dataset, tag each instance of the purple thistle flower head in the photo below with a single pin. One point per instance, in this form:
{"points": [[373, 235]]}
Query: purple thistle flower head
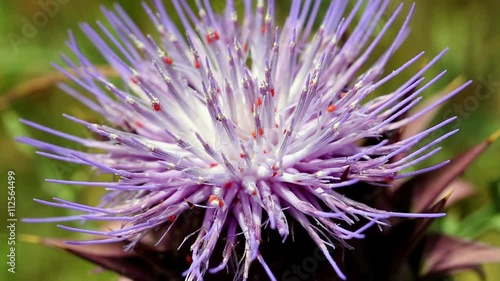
{"points": [[254, 122]]}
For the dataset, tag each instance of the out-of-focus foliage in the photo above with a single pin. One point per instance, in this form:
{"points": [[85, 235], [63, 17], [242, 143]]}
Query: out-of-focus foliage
{"points": [[468, 27]]}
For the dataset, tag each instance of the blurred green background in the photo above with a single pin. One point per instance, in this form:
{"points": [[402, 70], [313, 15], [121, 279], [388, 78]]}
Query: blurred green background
{"points": [[469, 28]]}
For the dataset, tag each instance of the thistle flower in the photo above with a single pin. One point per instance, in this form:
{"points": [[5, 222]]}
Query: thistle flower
{"points": [[255, 123]]}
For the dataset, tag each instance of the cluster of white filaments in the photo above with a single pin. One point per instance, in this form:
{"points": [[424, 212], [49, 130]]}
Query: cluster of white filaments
{"points": [[247, 120]]}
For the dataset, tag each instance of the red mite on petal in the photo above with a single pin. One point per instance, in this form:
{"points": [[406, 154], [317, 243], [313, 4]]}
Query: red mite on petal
{"points": [[168, 60], [215, 201], [331, 108], [259, 101], [156, 106], [261, 131]]}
